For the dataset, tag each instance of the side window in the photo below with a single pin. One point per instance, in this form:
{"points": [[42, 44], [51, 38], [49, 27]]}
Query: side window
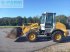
{"points": [[49, 21]]}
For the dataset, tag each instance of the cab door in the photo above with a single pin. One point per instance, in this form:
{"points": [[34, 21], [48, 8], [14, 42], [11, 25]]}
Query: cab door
{"points": [[49, 20]]}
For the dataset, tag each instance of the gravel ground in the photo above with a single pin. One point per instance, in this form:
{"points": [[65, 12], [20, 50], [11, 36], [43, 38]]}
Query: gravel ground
{"points": [[60, 47], [20, 44]]}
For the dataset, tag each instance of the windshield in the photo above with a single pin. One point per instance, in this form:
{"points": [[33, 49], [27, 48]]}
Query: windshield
{"points": [[42, 19]]}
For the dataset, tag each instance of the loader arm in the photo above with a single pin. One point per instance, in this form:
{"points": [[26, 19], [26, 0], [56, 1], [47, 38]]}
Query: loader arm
{"points": [[26, 29]]}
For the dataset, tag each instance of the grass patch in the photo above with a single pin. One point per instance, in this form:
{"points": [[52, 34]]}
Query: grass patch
{"points": [[9, 26]]}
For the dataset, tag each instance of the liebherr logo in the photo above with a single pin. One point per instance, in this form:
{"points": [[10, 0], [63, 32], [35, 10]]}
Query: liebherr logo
{"points": [[11, 3]]}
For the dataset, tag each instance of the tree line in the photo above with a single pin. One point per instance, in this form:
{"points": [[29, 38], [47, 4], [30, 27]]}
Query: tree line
{"points": [[16, 21]]}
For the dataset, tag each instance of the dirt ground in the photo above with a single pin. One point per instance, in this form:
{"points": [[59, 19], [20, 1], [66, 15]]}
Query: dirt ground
{"points": [[22, 45], [60, 47]]}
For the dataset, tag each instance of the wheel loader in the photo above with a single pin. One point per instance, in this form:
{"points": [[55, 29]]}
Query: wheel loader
{"points": [[48, 26]]}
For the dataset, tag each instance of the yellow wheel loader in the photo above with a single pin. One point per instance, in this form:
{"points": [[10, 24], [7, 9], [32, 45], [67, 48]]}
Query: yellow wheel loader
{"points": [[48, 26]]}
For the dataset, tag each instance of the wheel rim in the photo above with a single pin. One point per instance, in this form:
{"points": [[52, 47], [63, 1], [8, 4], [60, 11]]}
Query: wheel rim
{"points": [[32, 37], [58, 36]]}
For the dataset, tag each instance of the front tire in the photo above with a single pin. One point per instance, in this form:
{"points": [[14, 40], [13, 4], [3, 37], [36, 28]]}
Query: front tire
{"points": [[31, 36], [58, 36]]}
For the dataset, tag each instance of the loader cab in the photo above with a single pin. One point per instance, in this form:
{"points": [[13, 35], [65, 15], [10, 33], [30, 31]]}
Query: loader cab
{"points": [[47, 20]]}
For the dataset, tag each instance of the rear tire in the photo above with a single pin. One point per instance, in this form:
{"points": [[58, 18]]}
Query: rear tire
{"points": [[58, 36], [31, 36]]}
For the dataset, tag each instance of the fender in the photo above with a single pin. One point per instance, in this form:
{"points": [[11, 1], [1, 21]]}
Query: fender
{"points": [[57, 30]]}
